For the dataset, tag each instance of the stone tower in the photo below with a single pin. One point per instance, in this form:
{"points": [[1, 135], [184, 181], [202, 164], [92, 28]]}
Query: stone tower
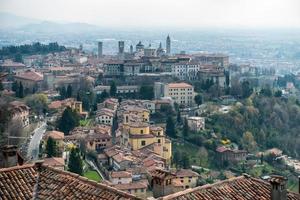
{"points": [[100, 49], [168, 42]]}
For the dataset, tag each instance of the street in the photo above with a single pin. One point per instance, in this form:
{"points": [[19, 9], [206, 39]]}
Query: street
{"points": [[33, 148]]}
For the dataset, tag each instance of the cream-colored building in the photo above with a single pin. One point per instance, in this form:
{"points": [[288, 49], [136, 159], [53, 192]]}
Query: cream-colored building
{"points": [[181, 93], [120, 177]]}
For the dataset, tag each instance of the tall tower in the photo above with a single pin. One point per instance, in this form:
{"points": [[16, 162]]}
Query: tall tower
{"points": [[168, 45], [121, 47], [131, 49], [100, 50]]}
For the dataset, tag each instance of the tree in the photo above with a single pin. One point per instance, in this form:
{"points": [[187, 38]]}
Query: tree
{"points": [[15, 87], [69, 91], [203, 157], [51, 149], [113, 89], [176, 158], [246, 89], [185, 161], [1, 85], [18, 58], [37, 102], [114, 127], [249, 142], [266, 91], [198, 99], [185, 130], [75, 162], [62, 92], [170, 127], [20, 93], [178, 117], [278, 93], [68, 121], [146, 92]]}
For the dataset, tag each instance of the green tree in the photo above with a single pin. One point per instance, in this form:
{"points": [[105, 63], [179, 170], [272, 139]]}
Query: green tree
{"points": [[114, 127], [69, 91], [1, 85], [146, 92], [15, 86], [198, 99], [113, 89], [68, 121], [75, 162], [176, 159], [170, 127], [278, 93], [21, 91], [51, 149], [249, 142], [185, 130], [178, 117], [37, 103], [18, 58], [62, 92], [185, 161], [266, 91], [246, 89]]}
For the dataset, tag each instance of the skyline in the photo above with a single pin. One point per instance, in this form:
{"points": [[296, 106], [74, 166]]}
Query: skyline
{"points": [[156, 14]]}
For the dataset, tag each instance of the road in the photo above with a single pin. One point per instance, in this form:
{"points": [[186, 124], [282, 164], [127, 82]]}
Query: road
{"points": [[33, 147]]}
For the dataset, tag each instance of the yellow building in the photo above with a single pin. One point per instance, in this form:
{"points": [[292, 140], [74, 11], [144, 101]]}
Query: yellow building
{"points": [[187, 177], [141, 135]]}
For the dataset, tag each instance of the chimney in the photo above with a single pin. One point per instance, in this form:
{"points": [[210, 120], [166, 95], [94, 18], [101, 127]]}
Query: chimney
{"points": [[278, 187], [10, 157], [38, 164]]}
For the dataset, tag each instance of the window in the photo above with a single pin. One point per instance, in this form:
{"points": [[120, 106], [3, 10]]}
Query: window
{"points": [[158, 141], [142, 131], [143, 142]]}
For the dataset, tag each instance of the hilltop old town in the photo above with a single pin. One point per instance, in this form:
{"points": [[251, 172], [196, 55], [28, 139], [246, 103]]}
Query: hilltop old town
{"points": [[145, 123]]}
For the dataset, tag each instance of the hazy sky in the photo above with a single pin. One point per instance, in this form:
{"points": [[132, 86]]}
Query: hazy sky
{"points": [[161, 13]]}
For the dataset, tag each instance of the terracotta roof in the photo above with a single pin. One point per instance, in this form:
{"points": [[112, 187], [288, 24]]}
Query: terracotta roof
{"points": [[161, 174], [186, 173], [55, 104], [120, 174], [241, 188], [30, 75], [48, 183], [54, 161], [56, 135], [130, 186], [179, 85]]}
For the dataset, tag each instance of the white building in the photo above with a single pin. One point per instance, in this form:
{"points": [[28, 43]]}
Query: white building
{"points": [[196, 123], [105, 116], [187, 70]]}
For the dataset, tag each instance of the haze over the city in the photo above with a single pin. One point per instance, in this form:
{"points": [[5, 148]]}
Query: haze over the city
{"points": [[166, 13]]}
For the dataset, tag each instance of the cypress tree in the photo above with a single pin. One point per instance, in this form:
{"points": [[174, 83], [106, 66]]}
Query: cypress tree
{"points": [[75, 162], [170, 127], [51, 148], [21, 91], [69, 91]]}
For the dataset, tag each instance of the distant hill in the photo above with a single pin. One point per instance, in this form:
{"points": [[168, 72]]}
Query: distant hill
{"points": [[10, 21], [53, 27]]}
